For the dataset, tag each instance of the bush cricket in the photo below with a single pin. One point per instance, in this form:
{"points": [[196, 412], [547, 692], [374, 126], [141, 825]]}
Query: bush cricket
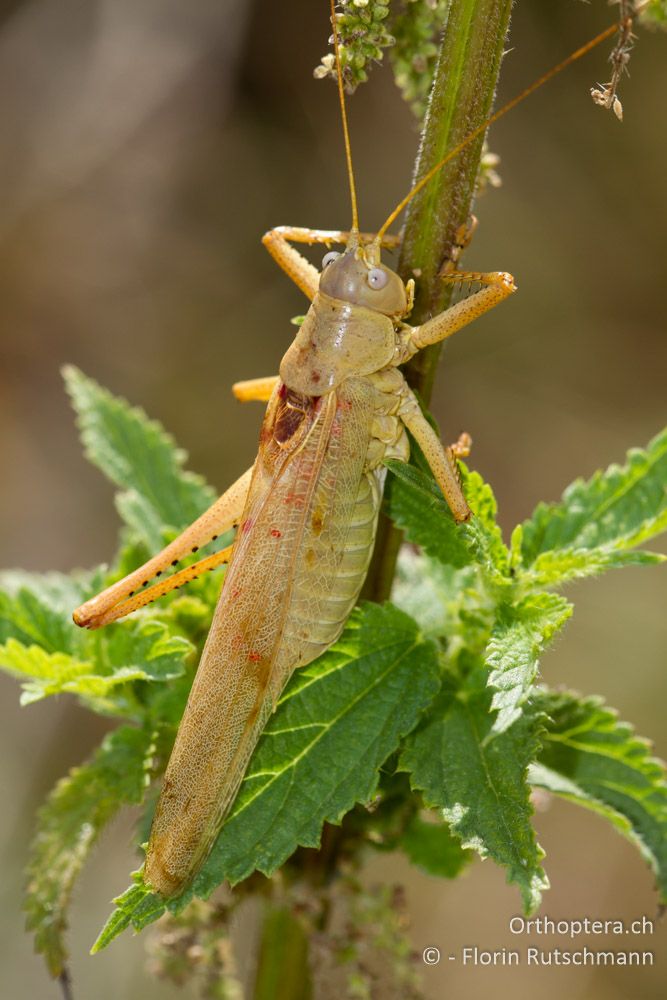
{"points": [[305, 512]]}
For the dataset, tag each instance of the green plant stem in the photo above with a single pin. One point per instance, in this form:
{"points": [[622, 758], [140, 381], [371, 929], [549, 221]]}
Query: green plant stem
{"points": [[282, 964], [463, 90]]}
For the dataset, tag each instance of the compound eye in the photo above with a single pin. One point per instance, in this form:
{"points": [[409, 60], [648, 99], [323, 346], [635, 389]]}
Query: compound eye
{"points": [[329, 258], [377, 278]]}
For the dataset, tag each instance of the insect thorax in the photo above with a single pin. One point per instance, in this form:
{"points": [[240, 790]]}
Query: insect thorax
{"points": [[337, 340]]}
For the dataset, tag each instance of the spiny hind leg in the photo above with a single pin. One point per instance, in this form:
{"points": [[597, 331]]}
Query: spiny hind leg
{"points": [[119, 608], [304, 274], [496, 286], [224, 514]]}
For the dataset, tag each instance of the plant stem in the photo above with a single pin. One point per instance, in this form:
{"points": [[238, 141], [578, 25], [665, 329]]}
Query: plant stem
{"points": [[282, 965], [461, 99]]}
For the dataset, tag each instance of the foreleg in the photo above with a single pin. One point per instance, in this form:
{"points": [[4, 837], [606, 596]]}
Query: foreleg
{"points": [[496, 286], [295, 265]]}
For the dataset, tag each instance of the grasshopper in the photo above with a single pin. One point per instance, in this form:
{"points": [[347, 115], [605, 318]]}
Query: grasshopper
{"points": [[305, 513]]}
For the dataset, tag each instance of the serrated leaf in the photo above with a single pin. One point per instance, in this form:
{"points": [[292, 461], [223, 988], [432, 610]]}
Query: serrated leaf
{"points": [[617, 509], [485, 536], [427, 590], [68, 825], [590, 757], [144, 644], [448, 603], [416, 504], [520, 635], [562, 565], [338, 721], [38, 608], [136, 907], [57, 591], [431, 847], [137, 455], [140, 651], [479, 786]]}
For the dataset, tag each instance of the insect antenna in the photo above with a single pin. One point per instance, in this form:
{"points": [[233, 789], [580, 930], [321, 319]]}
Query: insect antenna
{"points": [[343, 113], [577, 54]]}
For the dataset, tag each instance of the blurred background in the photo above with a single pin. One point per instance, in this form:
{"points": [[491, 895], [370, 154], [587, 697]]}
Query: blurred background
{"points": [[146, 145]]}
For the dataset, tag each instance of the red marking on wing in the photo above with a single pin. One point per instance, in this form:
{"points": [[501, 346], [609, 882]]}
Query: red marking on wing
{"points": [[276, 533], [295, 500]]}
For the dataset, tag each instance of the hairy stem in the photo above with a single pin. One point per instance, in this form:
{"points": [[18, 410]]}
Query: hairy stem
{"points": [[461, 99]]}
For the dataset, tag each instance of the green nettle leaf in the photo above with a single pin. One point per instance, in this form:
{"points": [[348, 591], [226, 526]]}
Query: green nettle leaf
{"points": [[561, 565], [598, 520], [449, 604], [520, 634], [38, 609], [68, 825], [479, 785], [485, 536], [428, 591], [431, 847], [145, 644], [137, 455], [57, 591], [415, 502], [140, 651], [591, 758], [338, 721], [44, 673]]}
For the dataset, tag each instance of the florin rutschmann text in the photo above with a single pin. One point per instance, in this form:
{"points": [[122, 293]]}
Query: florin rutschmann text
{"points": [[553, 956], [472, 955]]}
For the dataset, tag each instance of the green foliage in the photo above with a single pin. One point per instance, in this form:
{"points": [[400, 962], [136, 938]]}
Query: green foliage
{"points": [[591, 758], [480, 786], [68, 825], [38, 609], [339, 720], [444, 683], [417, 506], [598, 520], [521, 632], [431, 847], [142, 652], [136, 455]]}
